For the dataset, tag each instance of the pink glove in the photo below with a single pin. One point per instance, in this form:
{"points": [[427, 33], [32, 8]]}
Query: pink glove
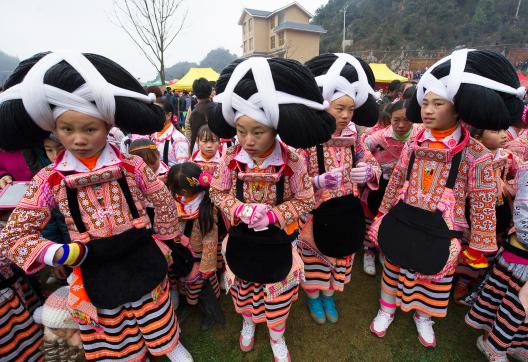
{"points": [[374, 229], [361, 174], [245, 212], [262, 223], [329, 180]]}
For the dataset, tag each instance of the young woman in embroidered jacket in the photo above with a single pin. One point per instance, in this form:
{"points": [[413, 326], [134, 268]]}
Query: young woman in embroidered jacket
{"points": [[262, 186], [431, 182], [119, 289], [330, 238], [386, 146]]}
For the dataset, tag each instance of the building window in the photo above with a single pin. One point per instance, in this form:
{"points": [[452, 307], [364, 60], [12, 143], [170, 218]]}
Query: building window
{"points": [[245, 46], [250, 25], [272, 42], [281, 17], [272, 22], [250, 43], [281, 38], [244, 28]]}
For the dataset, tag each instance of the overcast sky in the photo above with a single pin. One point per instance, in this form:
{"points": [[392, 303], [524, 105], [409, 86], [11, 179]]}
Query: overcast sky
{"points": [[32, 26]]}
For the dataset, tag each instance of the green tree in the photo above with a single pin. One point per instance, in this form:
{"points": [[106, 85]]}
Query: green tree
{"points": [[485, 17]]}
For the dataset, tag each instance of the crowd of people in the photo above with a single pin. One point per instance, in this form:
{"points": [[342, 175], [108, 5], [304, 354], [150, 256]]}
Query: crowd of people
{"points": [[141, 205]]}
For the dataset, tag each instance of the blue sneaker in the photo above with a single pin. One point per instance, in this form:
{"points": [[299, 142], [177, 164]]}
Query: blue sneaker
{"points": [[330, 308], [316, 310]]}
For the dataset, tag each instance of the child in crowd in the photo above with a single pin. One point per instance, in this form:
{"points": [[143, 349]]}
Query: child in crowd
{"points": [[119, 265], [386, 146], [199, 233], [421, 217], [262, 187], [330, 238], [505, 166], [171, 143], [501, 308], [146, 149]]}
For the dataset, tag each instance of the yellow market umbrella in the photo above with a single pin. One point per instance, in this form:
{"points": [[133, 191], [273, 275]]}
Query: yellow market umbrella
{"points": [[194, 73]]}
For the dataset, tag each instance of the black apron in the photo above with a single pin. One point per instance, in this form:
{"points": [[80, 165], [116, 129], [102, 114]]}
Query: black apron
{"points": [[182, 257], [418, 239], [259, 256], [121, 268], [339, 223]]}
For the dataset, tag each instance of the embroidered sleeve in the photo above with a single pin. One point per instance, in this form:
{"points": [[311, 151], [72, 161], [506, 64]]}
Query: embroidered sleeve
{"points": [[220, 190], [303, 201], [482, 200], [396, 182], [21, 240], [363, 154], [165, 217], [209, 249], [179, 151]]}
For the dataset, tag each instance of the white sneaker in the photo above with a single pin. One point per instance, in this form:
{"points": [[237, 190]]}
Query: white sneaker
{"points": [[369, 263], [492, 357], [180, 354], [175, 298], [280, 350], [381, 323], [424, 326], [247, 336]]}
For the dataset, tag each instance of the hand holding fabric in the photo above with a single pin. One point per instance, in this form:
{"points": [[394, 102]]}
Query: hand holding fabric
{"points": [[245, 212], [269, 218], [361, 174], [329, 180]]}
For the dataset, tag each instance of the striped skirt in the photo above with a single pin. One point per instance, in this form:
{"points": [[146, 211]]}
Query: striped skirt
{"points": [[430, 297], [20, 336], [323, 274], [499, 312], [193, 290], [250, 300], [129, 330]]}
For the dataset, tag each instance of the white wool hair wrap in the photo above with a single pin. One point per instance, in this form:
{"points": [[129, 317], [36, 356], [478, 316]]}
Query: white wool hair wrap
{"points": [[37, 96], [448, 86], [262, 106], [336, 86]]}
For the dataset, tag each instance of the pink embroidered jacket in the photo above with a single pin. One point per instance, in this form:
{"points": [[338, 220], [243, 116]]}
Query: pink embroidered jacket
{"points": [[338, 153], [208, 166], [298, 190], [178, 151], [475, 181], [102, 204], [386, 149]]}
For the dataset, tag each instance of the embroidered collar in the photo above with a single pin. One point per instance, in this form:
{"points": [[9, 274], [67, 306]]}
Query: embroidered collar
{"points": [[67, 162], [198, 157], [349, 131], [167, 135], [275, 159], [450, 141], [500, 154], [512, 133]]}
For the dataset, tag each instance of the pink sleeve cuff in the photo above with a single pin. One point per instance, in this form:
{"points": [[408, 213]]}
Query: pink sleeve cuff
{"points": [[272, 218]]}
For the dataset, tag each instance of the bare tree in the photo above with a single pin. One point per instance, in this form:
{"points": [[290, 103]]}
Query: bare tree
{"points": [[152, 25]]}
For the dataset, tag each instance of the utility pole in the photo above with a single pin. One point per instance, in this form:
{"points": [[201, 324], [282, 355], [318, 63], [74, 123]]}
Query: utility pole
{"points": [[344, 27], [518, 7]]}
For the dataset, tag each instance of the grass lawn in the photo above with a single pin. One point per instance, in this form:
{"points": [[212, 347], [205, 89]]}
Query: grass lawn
{"points": [[348, 340]]}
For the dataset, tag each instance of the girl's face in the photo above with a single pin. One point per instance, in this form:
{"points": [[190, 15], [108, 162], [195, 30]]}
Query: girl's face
{"points": [[493, 140], [84, 136], [343, 110], [52, 149], [437, 112], [208, 148], [254, 137], [399, 122]]}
